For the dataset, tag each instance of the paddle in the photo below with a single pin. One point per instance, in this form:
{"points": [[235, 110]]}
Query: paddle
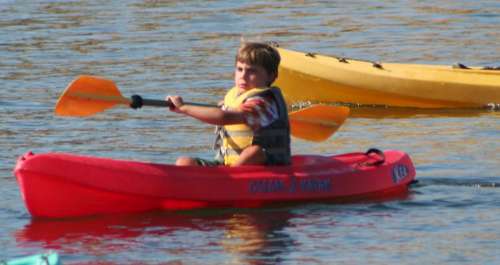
{"points": [[88, 95]]}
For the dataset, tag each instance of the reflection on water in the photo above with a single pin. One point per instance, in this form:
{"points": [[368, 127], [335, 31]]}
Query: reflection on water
{"points": [[248, 236], [382, 112], [257, 238]]}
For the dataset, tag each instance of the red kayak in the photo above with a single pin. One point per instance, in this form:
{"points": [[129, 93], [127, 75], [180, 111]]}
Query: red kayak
{"points": [[68, 185]]}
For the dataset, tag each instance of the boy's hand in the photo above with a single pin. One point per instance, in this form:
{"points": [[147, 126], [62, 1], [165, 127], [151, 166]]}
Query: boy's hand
{"points": [[177, 103]]}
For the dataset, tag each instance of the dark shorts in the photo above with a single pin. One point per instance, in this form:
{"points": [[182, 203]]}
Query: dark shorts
{"points": [[208, 162], [270, 160]]}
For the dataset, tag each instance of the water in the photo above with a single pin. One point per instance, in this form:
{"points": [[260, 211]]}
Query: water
{"points": [[155, 48]]}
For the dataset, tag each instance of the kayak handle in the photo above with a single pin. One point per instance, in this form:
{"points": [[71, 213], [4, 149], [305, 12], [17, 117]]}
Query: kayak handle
{"points": [[379, 156]]}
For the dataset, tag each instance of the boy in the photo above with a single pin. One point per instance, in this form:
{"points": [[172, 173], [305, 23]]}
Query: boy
{"points": [[254, 117]]}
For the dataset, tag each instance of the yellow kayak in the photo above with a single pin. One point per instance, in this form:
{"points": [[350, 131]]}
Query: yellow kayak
{"points": [[314, 77]]}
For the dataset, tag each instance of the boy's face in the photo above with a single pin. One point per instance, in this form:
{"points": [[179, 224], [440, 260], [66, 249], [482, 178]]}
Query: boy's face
{"points": [[247, 76]]}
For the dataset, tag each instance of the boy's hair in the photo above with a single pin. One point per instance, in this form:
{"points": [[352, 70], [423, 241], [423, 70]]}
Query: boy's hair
{"points": [[259, 54]]}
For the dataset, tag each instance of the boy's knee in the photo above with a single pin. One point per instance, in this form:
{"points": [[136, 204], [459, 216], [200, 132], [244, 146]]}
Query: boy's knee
{"points": [[253, 150], [252, 155], [185, 161]]}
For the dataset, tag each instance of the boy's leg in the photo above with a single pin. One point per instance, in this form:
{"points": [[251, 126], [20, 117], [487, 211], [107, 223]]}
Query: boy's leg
{"points": [[196, 161], [252, 155]]}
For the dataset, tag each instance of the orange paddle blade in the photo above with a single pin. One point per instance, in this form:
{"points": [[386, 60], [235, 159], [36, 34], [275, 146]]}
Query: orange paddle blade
{"points": [[87, 95], [317, 122]]}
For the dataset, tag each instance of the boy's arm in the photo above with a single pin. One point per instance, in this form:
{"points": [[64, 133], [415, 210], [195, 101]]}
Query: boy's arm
{"points": [[211, 115], [260, 111]]}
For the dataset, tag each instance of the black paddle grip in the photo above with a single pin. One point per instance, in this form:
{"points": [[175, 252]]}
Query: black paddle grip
{"points": [[137, 102]]}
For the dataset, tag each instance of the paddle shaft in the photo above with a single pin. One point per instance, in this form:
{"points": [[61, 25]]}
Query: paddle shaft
{"points": [[164, 103], [322, 126]]}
